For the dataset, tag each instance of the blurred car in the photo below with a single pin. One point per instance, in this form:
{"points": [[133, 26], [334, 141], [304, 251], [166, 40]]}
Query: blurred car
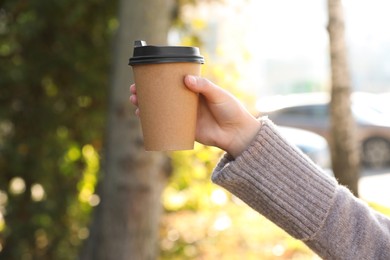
{"points": [[311, 144], [310, 112]]}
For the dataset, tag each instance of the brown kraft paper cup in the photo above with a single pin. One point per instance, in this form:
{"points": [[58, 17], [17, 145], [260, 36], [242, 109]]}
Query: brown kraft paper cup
{"points": [[168, 109]]}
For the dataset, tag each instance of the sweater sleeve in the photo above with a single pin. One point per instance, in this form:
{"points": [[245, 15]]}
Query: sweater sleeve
{"points": [[281, 183]]}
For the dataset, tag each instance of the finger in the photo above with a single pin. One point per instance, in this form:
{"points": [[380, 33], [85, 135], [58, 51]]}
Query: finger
{"points": [[209, 90], [133, 89], [134, 100], [137, 112]]}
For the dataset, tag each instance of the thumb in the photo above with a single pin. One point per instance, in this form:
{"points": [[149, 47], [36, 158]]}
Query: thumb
{"points": [[209, 90]]}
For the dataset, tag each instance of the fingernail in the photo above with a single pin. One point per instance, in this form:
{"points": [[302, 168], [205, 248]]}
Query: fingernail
{"points": [[191, 80]]}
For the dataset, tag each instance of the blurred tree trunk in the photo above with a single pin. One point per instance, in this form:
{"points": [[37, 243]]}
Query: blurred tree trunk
{"points": [[125, 225], [344, 146]]}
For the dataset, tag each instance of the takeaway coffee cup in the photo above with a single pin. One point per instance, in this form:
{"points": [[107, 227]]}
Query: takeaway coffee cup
{"points": [[168, 109]]}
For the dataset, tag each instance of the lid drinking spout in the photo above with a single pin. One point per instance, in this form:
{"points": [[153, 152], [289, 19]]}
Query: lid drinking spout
{"points": [[139, 43]]}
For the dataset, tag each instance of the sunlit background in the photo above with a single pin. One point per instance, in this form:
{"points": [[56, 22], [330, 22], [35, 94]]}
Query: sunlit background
{"points": [[281, 46]]}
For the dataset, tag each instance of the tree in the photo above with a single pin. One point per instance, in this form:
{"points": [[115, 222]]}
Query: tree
{"points": [[54, 68], [344, 149], [126, 223]]}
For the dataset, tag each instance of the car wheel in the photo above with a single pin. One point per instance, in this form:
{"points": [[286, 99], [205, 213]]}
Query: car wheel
{"points": [[376, 152]]}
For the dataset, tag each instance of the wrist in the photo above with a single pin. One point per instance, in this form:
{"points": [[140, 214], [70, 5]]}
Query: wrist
{"points": [[243, 137]]}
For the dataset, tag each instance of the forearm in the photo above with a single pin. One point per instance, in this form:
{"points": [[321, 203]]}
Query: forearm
{"points": [[352, 230], [282, 184]]}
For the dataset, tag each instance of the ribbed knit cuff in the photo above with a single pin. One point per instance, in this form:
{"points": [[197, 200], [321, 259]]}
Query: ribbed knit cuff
{"points": [[280, 182]]}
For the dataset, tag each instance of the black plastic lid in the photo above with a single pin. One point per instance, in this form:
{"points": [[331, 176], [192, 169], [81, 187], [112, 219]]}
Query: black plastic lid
{"points": [[146, 54]]}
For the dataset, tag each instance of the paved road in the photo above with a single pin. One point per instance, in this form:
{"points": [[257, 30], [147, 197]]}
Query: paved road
{"points": [[374, 186]]}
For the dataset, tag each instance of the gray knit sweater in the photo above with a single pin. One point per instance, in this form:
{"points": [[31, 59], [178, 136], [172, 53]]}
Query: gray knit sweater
{"points": [[278, 181]]}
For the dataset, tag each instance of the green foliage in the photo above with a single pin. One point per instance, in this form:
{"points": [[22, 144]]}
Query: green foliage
{"points": [[190, 186], [54, 58]]}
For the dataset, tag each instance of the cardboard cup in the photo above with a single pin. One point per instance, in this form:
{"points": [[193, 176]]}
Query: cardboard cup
{"points": [[168, 109]]}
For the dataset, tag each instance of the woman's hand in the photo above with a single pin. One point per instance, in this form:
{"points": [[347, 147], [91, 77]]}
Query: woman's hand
{"points": [[222, 119]]}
